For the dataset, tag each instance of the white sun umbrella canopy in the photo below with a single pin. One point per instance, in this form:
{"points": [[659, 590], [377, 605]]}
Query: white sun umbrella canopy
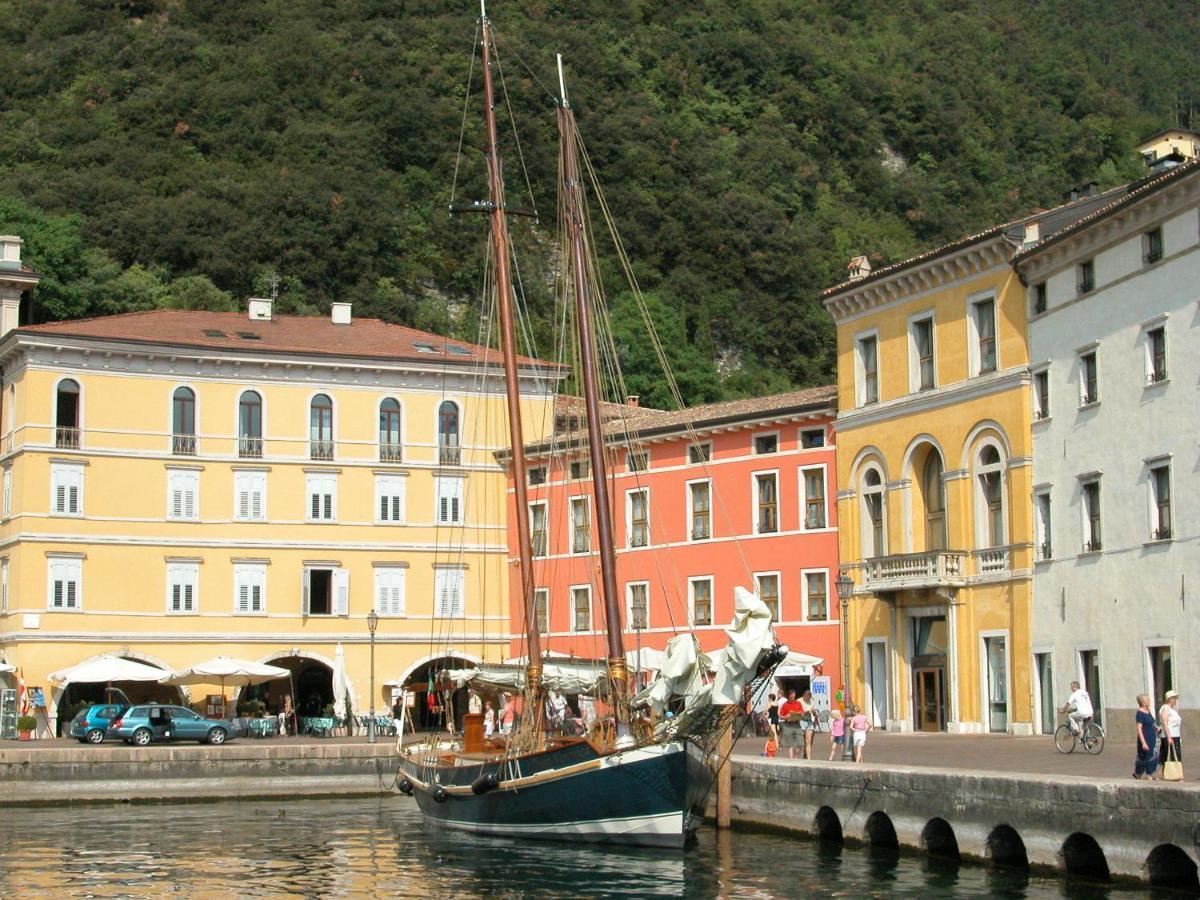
{"points": [[106, 669], [339, 682], [5, 668], [225, 670]]}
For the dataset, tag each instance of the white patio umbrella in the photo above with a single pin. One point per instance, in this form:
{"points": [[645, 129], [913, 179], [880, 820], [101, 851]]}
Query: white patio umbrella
{"points": [[224, 670], [107, 668], [5, 668], [339, 682]]}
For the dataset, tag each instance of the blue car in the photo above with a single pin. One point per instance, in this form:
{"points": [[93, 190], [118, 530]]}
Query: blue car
{"points": [[148, 722], [90, 726]]}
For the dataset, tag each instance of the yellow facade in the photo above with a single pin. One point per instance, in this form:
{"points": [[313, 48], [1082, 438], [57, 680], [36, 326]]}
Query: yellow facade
{"points": [[135, 553], [934, 465]]}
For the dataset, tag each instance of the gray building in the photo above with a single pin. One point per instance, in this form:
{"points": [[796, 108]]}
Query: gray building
{"points": [[1114, 337]]}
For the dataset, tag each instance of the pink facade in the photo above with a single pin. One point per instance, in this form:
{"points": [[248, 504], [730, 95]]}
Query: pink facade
{"points": [[688, 530]]}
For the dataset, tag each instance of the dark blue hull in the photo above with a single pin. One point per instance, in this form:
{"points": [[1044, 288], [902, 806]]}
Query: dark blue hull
{"points": [[650, 796]]}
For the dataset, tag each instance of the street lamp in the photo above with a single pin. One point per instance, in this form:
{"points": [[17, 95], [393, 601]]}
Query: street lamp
{"points": [[845, 589], [372, 624]]}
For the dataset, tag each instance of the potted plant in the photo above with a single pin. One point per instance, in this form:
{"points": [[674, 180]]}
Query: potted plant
{"points": [[26, 725]]}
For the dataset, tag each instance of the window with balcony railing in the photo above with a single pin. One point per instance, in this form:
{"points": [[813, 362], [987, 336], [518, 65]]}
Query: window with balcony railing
{"points": [[389, 430], [183, 422], [1087, 277], [1091, 511], [250, 447], [449, 452], [701, 591], [1156, 355], [701, 493], [320, 427], [66, 415], [1152, 243], [250, 441], [1160, 487], [320, 450], [66, 438]]}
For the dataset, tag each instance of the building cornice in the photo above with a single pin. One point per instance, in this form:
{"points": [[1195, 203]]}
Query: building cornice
{"points": [[1111, 226], [922, 274], [938, 398]]}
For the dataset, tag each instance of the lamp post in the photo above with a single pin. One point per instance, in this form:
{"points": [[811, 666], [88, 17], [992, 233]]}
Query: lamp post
{"points": [[372, 624], [845, 589]]}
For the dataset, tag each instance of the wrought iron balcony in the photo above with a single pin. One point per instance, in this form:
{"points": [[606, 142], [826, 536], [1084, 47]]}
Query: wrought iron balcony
{"points": [[449, 455], [320, 450], [183, 444], [66, 438], [250, 447], [903, 571], [391, 453]]}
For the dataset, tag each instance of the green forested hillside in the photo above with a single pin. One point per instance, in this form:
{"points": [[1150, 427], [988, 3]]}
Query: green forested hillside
{"points": [[186, 152]]}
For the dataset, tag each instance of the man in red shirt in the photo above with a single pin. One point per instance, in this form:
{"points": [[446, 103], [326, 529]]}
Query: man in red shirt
{"points": [[790, 733]]}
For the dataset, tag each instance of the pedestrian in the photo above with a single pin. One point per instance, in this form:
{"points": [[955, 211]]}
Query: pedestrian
{"points": [[1170, 722], [791, 713], [489, 719], [773, 719], [507, 715], [837, 732], [859, 726], [1146, 763], [1078, 708], [808, 725], [398, 715]]}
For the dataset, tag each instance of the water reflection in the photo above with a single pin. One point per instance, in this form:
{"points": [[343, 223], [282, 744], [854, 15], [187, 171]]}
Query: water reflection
{"points": [[365, 847]]}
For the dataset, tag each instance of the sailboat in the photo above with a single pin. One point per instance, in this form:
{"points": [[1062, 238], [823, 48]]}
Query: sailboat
{"points": [[645, 781]]}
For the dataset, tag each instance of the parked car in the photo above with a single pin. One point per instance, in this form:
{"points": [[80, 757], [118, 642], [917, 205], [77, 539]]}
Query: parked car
{"points": [[148, 722], [91, 724]]}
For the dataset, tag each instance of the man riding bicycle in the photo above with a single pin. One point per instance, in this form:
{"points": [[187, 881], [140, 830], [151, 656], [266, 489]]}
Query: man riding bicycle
{"points": [[1078, 708]]}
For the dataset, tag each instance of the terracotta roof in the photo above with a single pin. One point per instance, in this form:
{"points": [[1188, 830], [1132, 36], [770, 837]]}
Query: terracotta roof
{"points": [[1136, 191], [202, 330], [641, 422]]}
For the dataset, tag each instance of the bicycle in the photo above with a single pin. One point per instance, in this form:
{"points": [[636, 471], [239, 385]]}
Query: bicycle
{"points": [[1090, 735]]}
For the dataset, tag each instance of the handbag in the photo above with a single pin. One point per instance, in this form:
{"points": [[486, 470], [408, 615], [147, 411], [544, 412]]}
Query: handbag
{"points": [[1172, 767]]}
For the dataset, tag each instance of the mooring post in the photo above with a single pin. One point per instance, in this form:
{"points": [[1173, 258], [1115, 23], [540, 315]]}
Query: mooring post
{"points": [[724, 777]]}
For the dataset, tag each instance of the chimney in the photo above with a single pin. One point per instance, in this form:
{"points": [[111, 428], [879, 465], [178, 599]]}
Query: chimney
{"points": [[633, 400], [340, 313], [1033, 233], [10, 251], [859, 267], [260, 309], [15, 279]]}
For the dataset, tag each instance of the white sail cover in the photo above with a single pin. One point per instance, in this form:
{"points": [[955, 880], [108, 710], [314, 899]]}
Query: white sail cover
{"points": [[683, 669], [564, 675]]}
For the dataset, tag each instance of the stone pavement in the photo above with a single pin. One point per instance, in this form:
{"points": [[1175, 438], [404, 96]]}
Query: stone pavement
{"points": [[999, 753]]}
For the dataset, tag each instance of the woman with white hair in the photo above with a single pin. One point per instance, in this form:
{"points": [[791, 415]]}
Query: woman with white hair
{"points": [[1171, 723]]}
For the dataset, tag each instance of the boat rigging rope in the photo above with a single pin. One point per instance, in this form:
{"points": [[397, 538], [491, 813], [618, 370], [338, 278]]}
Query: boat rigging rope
{"points": [[462, 130]]}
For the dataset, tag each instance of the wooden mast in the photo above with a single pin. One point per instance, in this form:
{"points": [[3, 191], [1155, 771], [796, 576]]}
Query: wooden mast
{"points": [[617, 668], [508, 342]]}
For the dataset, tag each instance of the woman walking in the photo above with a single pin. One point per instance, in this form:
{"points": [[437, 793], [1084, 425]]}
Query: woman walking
{"points": [[1170, 722], [1146, 763], [859, 726]]}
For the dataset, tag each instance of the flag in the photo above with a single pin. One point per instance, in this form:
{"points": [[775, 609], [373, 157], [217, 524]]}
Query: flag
{"points": [[22, 695], [430, 696]]}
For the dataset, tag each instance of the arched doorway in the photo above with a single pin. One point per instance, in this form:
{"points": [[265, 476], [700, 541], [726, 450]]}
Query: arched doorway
{"points": [[311, 685], [430, 709]]}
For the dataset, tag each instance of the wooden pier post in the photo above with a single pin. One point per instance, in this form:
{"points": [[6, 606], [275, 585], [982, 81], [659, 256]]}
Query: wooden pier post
{"points": [[724, 778]]}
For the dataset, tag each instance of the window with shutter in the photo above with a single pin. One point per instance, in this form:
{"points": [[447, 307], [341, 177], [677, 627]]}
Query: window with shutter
{"points": [[449, 589], [389, 590], [7, 493], [341, 592], [322, 491], [64, 578], [449, 500], [250, 496], [389, 498], [66, 489], [181, 587], [250, 595], [182, 489]]}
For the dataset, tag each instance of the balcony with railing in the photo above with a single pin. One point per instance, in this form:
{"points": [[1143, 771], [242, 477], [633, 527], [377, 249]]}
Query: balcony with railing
{"points": [[250, 447], [320, 450], [66, 437], [913, 571], [391, 453], [183, 444], [992, 561], [449, 455]]}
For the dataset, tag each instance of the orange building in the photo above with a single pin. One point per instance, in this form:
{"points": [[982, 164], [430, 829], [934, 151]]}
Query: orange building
{"points": [[703, 500]]}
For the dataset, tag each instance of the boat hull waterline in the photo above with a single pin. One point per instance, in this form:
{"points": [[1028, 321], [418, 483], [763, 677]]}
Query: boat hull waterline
{"points": [[645, 796]]}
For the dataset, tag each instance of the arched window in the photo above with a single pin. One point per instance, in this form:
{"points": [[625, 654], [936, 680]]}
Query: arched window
{"points": [[183, 422], [250, 431], [934, 493], [449, 453], [389, 430], [320, 427], [991, 495], [66, 414], [874, 543]]}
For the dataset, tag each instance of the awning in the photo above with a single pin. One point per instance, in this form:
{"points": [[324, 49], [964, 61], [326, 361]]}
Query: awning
{"points": [[224, 670], [797, 665], [105, 669]]}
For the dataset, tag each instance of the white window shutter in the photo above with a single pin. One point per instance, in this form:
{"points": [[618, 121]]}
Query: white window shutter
{"points": [[341, 592], [60, 498], [305, 593], [243, 596]]}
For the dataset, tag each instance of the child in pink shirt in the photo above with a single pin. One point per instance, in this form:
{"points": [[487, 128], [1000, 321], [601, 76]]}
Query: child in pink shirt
{"points": [[859, 726], [837, 732]]}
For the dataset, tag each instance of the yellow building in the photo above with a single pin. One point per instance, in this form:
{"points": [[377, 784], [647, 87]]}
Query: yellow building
{"points": [[935, 470], [183, 484]]}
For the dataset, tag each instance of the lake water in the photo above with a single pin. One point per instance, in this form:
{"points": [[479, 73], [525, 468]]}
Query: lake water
{"points": [[361, 847]]}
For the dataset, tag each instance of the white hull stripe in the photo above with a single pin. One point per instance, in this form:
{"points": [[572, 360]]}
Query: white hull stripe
{"points": [[665, 824]]}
